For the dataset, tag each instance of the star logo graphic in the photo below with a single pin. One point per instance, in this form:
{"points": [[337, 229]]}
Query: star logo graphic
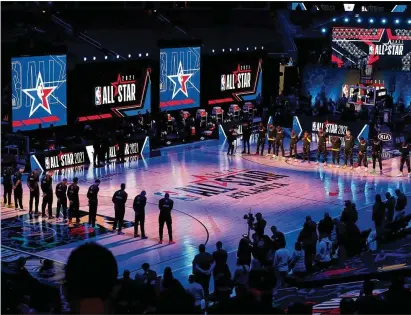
{"points": [[39, 96], [181, 79], [115, 84]]}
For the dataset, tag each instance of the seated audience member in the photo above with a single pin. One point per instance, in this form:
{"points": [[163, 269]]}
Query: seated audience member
{"points": [[196, 291], [326, 225], [324, 252], [148, 276], [88, 291], [240, 277], [280, 265], [297, 261]]}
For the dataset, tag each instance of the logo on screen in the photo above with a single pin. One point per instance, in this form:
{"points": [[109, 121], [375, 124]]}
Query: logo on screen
{"points": [[392, 48], [238, 79], [223, 80], [98, 95]]}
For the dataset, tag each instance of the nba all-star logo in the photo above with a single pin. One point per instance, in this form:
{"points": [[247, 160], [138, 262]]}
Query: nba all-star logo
{"points": [[121, 91], [180, 81], [39, 96], [240, 78]]}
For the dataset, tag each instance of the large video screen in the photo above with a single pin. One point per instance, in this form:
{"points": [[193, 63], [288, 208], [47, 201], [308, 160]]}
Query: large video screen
{"points": [[180, 78], [233, 78], [38, 87], [384, 48], [109, 90]]}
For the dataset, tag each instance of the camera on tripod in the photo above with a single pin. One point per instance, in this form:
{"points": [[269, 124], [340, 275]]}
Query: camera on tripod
{"points": [[250, 223]]}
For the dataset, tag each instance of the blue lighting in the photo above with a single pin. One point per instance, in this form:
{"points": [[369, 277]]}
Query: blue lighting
{"points": [[384, 21], [371, 21], [323, 30], [346, 20], [397, 21], [334, 19], [409, 21], [359, 20]]}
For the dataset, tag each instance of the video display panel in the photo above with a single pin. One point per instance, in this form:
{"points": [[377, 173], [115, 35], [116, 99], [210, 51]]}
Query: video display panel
{"points": [[39, 93], [384, 48], [110, 89], [180, 78], [233, 78]]}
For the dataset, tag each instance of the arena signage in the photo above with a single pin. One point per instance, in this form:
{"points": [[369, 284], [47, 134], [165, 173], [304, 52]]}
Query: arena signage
{"points": [[384, 137], [236, 184], [120, 91]]}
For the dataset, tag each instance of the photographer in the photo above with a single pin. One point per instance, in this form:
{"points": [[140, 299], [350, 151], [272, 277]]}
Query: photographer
{"points": [[260, 224]]}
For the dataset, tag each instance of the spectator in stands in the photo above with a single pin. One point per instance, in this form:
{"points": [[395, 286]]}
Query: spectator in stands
{"points": [[308, 236], [240, 277], [196, 291], [389, 206], [280, 264], [378, 216], [367, 303], [347, 306], [126, 293], [244, 251], [326, 225], [297, 261], [203, 265], [349, 213], [88, 291], [148, 276], [324, 252], [400, 205]]}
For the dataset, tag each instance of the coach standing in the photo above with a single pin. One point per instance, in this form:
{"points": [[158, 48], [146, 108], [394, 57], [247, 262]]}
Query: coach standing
{"points": [[92, 195], [119, 199], [165, 205], [139, 206]]}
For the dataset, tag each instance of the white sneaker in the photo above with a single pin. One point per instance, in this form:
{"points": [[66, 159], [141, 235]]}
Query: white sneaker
{"points": [[366, 169], [273, 156], [267, 154], [409, 175], [338, 166], [283, 158], [316, 163], [401, 174], [295, 160]]}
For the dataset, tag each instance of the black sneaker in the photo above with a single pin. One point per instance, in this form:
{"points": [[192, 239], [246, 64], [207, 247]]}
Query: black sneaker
{"points": [[144, 237]]}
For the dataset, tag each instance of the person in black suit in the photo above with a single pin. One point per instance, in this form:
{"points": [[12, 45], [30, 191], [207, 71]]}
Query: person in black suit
{"points": [[119, 199], [139, 206], [47, 189], [247, 130], [165, 205]]}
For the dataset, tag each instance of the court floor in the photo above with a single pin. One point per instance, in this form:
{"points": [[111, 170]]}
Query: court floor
{"points": [[211, 193]]}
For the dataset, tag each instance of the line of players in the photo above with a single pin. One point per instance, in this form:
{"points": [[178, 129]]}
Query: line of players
{"points": [[68, 195], [275, 138]]}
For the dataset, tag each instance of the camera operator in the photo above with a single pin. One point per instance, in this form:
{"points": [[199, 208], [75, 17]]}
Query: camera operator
{"points": [[259, 225]]}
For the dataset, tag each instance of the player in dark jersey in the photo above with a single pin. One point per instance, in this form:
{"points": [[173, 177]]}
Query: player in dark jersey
{"points": [[18, 190], [306, 146], [261, 139], [348, 147], [92, 195], [231, 138], [279, 143], [166, 206], [322, 146], [7, 185], [33, 185], [139, 206], [376, 151], [72, 195], [405, 158], [61, 194], [362, 153], [293, 145], [247, 130], [47, 189], [271, 133], [119, 199], [336, 150]]}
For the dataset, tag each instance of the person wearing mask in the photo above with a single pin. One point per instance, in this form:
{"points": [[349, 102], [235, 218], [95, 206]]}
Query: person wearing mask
{"points": [[322, 146], [293, 145], [247, 130], [279, 142], [378, 216], [260, 224], [297, 261], [405, 158], [336, 149], [326, 225], [400, 205], [166, 206], [33, 185], [362, 154], [203, 266], [306, 146], [119, 200], [280, 264], [376, 150], [139, 206], [61, 194], [231, 138], [348, 147], [74, 201], [92, 196], [389, 206], [271, 133], [18, 190], [324, 252], [7, 185], [261, 139], [196, 291], [47, 189]]}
